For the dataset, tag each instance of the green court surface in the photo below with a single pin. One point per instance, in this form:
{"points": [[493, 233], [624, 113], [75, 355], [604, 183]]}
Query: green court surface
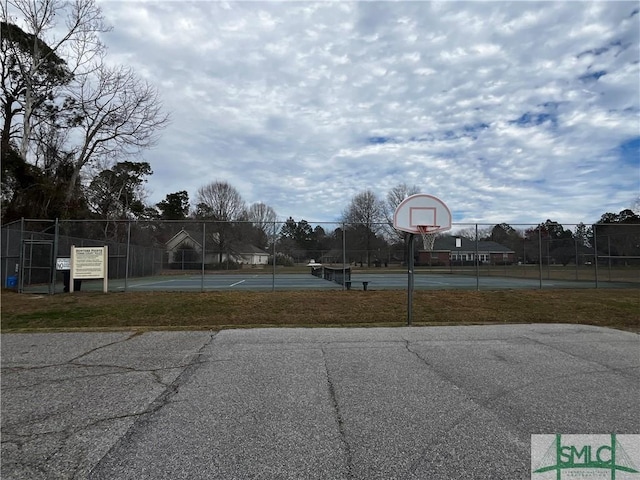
{"points": [[252, 281]]}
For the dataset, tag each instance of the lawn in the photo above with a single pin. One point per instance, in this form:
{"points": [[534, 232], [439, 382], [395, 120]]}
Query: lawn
{"points": [[617, 308]]}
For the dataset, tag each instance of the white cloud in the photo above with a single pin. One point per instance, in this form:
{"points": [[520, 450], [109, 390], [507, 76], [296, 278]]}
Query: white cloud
{"points": [[510, 112]]}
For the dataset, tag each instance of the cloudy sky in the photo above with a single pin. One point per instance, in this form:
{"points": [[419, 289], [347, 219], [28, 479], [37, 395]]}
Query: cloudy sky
{"points": [[509, 112]]}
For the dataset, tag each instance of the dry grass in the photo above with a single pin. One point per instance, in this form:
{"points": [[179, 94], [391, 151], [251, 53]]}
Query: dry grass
{"points": [[214, 310]]}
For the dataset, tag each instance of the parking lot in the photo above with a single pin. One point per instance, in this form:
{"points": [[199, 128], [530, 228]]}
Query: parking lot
{"points": [[379, 403]]}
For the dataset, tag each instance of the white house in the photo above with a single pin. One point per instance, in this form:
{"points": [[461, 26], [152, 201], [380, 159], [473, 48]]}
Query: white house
{"points": [[185, 241]]}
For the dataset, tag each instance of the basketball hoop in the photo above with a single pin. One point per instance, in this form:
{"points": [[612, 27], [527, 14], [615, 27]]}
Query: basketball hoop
{"points": [[426, 215], [428, 233]]}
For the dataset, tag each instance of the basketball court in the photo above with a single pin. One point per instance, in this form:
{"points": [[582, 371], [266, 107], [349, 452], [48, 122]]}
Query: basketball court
{"points": [[408, 403]]}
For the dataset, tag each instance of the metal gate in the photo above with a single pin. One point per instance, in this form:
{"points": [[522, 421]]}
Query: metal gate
{"points": [[37, 267]]}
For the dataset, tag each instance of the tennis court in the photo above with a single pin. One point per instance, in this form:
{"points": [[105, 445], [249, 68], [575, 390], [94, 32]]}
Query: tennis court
{"points": [[252, 281]]}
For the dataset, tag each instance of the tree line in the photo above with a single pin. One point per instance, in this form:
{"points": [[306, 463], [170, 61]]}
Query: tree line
{"points": [[365, 225], [365, 230], [613, 235]]}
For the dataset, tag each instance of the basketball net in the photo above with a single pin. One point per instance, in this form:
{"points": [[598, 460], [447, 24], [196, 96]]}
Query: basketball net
{"points": [[428, 234]]}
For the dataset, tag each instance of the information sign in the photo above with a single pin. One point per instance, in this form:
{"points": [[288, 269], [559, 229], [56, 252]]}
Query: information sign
{"points": [[89, 262], [63, 263]]}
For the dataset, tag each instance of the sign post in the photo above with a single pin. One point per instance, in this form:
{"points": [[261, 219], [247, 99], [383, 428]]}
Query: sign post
{"points": [[410, 279], [89, 263]]}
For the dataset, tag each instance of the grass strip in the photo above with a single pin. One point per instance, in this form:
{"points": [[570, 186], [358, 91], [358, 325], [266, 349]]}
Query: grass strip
{"points": [[619, 308]]}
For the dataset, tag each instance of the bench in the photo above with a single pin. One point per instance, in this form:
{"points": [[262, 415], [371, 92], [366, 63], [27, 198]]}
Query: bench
{"points": [[364, 285]]}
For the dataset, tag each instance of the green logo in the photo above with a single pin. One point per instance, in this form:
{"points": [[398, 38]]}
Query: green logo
{"points": [[576, 457]]}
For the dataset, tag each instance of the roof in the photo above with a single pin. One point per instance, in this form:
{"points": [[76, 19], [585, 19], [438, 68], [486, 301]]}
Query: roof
{"points": [[180, 237], [248, 248], [191, 236]]}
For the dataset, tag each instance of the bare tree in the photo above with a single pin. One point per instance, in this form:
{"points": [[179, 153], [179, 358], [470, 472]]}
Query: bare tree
{"points": [[483, 233], [365, 208], [365, 216], [115, 114], [263, 217], [45, 61], [395, 196], [221, 202]]}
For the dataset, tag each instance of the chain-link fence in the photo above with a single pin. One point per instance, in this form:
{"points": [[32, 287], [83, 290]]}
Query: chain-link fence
{"points": [[206, 255]]}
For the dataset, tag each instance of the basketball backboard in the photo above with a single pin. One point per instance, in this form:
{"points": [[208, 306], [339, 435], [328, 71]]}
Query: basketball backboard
{"points": [[419, 211]]}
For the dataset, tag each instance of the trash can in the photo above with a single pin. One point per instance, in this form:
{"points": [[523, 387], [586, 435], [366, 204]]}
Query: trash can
{"points": [[12, 281]]}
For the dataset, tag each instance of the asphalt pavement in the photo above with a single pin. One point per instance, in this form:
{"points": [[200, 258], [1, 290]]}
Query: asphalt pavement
{"points": [[379, 403]]}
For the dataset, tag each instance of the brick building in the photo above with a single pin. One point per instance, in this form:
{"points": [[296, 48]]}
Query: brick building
{"points": [[446, 253]]}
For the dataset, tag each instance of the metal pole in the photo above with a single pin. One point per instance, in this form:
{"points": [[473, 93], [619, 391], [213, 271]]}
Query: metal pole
{"points": [[126, 264], [21, 258], [204, 252], [575, 243], [477, 262], [410, 283], [595, 253], [609, 254], [52, 288], [548, 260], [273, 276], [30, 257], [7, 232], [344, 254], [540, 255]]}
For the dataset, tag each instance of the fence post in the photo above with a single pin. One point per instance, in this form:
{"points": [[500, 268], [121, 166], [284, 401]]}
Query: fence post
{"points": [[52, 288], [126, 263], [273, 274], [477, 262], [7, 236], [540, 255], [595, 253], [575, 244], [609, 254], [204, 253], [344, 252], [21, 257]]}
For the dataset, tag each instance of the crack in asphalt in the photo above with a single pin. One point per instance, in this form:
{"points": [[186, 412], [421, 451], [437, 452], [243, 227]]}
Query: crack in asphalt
{"points": [[160, 401], [501, 393], [463, 413], [117, 370], [11, 433], [89, 352], [338, 418], [625, 371]]}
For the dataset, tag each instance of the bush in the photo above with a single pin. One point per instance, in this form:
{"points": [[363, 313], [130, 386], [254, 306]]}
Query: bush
{"points": [[230, 265], [184, 266], [282, 259]]}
